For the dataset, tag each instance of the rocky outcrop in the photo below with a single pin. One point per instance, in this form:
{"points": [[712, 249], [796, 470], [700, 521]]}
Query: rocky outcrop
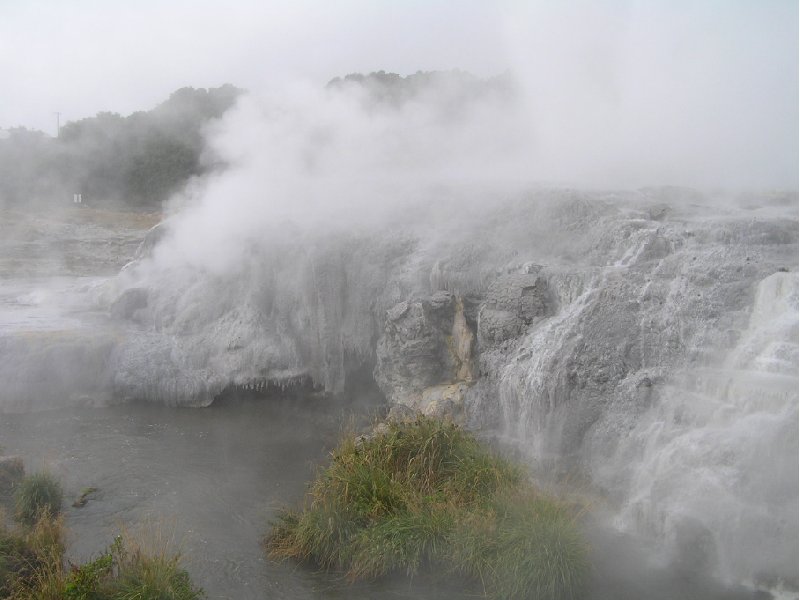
{"points": [[425, 355], [513, 302], [128, 303]]}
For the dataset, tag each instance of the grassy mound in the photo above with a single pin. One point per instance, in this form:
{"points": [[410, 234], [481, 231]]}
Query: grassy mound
{"points": [[37, 494], [428, 493]]}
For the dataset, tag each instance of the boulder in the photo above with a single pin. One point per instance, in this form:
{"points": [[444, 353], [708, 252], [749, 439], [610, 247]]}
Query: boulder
{"points": [[128, 303], [513, 302], [425, 343]]}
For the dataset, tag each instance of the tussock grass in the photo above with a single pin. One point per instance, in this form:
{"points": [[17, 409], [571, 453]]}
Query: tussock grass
{"points": [[427, 493], [35, 495], [33, 566], [523, 546], [31, 560], [12, 470], [143, 564], [130, 571]]}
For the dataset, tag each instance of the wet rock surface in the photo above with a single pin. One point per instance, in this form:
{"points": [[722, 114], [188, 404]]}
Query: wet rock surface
{"points": [[513, 303], [424, 357], [128, 303]]}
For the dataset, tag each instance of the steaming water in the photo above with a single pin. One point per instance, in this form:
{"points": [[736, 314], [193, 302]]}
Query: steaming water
{"points": [[44, 304]]}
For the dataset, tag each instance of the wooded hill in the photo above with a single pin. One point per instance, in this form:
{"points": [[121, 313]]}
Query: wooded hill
{"points": [[134, 161]]}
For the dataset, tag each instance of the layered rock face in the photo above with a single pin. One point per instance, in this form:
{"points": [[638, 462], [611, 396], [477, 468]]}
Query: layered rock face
{"points": [[646, 341], [425, 355]]}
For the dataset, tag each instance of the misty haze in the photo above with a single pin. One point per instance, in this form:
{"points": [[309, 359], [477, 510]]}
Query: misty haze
{"points": [[305, 300]]}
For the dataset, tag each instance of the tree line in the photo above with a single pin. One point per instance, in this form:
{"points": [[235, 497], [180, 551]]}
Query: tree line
{"points": [[134, 161]]}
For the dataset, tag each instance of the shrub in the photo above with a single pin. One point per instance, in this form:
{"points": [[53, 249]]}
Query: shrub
{"points": [[425, 493], [35, 495], [83, 581]]}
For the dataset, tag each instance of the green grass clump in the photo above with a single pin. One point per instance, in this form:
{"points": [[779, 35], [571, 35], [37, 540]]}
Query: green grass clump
{"points": [[523, 546], [12, 470], [31, 560], [32, 567], [14, 559], [37, 494], [136, 573], [82, 582], [428, 493]]}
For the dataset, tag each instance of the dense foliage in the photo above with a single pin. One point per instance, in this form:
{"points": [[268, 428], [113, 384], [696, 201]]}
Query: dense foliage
{"points": [[137, 160], [428, 493]]}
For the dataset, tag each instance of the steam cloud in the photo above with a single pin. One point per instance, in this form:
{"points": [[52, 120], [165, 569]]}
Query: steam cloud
{"points": [[338, 159], [646, 94]]}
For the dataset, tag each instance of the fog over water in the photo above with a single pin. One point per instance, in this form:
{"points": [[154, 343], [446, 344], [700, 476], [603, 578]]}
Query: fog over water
{"points": [[603, 194]]}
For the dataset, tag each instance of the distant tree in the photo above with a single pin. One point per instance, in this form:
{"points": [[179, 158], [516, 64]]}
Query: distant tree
{"points": [[139, 160], [453, 86]]}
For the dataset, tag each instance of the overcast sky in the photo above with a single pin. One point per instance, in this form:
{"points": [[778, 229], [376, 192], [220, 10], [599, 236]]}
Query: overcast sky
{"points": [[636, 70], [83, 56]]}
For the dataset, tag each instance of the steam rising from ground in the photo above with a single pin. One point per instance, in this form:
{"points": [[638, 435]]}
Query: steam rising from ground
{"points": [[361, 155], [336, 159]]}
